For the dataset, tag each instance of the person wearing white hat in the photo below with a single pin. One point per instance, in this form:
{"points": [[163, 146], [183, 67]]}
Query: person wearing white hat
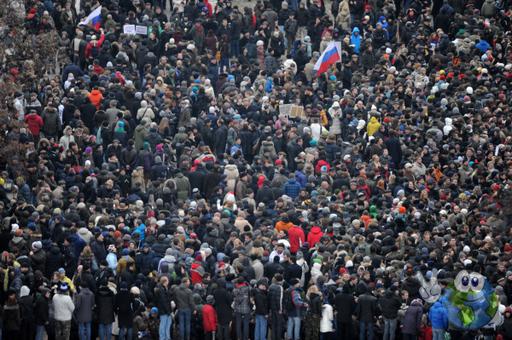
{"points": [[63, 308]]}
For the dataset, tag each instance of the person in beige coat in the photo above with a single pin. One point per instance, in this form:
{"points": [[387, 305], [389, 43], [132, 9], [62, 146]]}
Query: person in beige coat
{"points": [[343, 19], [232, 175]]}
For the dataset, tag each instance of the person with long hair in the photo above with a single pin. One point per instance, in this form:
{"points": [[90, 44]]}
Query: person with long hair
{"points": [[164, 128], [11, 317], [314, 313]]}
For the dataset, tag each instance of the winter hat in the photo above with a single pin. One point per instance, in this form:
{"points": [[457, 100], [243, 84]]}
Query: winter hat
{"points": [[210, 300], [37, 245], [154, 310], [469, 90], [24, 291], [63, 287]]}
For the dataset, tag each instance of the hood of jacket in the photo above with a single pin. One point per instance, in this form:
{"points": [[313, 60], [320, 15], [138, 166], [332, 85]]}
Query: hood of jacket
{"points": [[231, 167], [316, 230], [95, 93]]}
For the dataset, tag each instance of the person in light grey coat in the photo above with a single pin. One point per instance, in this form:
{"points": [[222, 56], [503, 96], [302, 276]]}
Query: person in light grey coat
{"points": [[84, 304]]}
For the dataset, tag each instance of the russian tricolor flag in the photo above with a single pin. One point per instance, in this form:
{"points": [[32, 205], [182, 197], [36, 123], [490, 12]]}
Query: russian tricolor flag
{"points": [[93, 19], [330, 56]]}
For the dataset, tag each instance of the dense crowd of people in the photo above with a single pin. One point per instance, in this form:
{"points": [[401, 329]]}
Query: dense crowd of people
{"points": [[156, 186]]}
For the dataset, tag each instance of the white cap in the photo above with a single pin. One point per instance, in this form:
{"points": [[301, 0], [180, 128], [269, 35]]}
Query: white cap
{"points": [[466, 249], [469, 90]]}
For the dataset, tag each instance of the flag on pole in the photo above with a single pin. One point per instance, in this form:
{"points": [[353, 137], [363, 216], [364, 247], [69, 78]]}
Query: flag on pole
{"points": [[330, 56], [93, 19]]}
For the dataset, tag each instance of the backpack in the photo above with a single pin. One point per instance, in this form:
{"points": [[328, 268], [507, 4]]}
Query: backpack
{"points": [[288, 304]]}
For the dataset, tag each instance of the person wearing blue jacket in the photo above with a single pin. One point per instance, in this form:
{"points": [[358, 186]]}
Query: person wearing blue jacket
{"points": [[355, 40], [439, 320], [292, 187], [141, 230]]}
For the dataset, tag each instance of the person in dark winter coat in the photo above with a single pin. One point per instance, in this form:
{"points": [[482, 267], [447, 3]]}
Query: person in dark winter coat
{"points": [[265, 193], [345, 305], [314, 314], [395, 150], [389, 304], [275, 303], [163, 303], [27, 314], [52, 125], [259, 299], [11, 317], [144, 260], [242, 308], [105, 300], [185, 306], [221, 136], [84, 303], [54, 260], [124, 308], [38, 256], [411, 323], [41, 311], [366, 311], [223, 301]]}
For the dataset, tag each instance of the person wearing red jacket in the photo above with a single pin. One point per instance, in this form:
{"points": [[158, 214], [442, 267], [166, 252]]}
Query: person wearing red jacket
{"points": [[296, 237], [209, 318], [92, 49], [96, 97], [35, 123], [314, 236], [196, 270]]}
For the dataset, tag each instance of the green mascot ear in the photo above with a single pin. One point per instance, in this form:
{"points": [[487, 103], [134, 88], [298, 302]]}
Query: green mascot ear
{"points": [[493, 305]]}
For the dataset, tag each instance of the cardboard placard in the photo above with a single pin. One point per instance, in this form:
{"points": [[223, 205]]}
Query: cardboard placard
{"points": [[297, 111], [129, 29], [141, 30], [285, 110]]}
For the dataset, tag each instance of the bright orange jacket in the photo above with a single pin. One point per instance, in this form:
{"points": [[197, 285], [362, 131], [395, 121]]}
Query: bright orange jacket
{"points": [[95, 98]]}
